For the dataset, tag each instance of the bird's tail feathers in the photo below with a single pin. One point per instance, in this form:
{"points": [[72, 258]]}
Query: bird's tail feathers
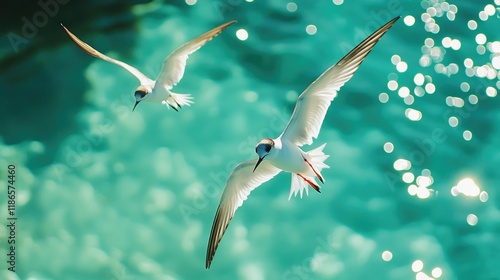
{"points": [[301, 182], [317, 158], [177, 100]]}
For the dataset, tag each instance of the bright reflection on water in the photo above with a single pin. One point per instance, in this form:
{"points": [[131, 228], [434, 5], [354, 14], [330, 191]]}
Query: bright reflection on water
{"points": [[466, 187]]}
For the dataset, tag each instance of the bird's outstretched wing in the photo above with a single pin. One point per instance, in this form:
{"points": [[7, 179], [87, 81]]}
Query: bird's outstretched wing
{"points": [[312, 104], [238, 186], [93, 52], [173, 66]]}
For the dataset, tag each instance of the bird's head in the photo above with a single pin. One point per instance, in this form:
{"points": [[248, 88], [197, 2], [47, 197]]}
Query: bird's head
{"points": [[140, 94], [263, 148]]}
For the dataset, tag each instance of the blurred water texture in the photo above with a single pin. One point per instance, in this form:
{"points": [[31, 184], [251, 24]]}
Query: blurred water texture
{"points": [[104, 193]]}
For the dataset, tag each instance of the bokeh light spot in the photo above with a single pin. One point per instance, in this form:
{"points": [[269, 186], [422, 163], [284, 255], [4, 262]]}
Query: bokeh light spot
{"points": [[383, 97], [392, 85], [436, 272], [388, 147], [413, 115], [409, 20], [468, 187], [387, 256], [402, 164], [467, 135], [453, 121], [291, 7], [311, 29], [472, 219], [417, 266], [472, 24], [242, 34]]}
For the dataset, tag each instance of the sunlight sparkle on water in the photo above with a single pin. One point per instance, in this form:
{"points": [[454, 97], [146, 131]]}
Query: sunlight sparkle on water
{"points": [[491, 91], [483, 196], [490, 9], [402, 164], [392, 85], [409, 100], [480, 39], [419, 91], [409, 20], [291, 7], [383, 97], [468, 63], [483, 16], [430, 88], [480, 49], [417, 266], [472, 24], [437, 272], [242, 34], [395, 59], [311, 29], [473, 99], [408, 177], [424, 181], [387, 255], [495, 61], [412, 189], [402, 66], [423, 193], [388, 147], [472, 219], [465, 87], [419, 79], [467, 135], [446, 42], [422, 276], [453, 121], [413, 115], [403, 92], [466, 187]]}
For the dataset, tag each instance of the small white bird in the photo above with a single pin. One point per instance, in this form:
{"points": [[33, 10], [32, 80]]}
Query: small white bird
{"points": [[283, 153], [171, 71]]}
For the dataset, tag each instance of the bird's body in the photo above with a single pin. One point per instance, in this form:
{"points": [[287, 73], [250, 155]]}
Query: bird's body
{"points": [[284, 153], [290, 158], [172, 70], [287, 157]]}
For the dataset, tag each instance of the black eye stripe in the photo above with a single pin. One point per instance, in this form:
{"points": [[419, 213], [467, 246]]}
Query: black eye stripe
{"points": [[140, 93]]}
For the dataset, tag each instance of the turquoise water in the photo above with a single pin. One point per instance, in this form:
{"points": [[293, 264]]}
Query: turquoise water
{"points": [[106, 193]]}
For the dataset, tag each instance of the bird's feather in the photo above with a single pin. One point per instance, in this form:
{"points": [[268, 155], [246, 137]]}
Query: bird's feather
{"points": [[240, 183], [312, 104], [93, 52], [174, 65]]}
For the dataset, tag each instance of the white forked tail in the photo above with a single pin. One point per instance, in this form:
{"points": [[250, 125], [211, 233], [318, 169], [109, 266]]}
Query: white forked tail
{"points": [[177, 100], [301, 182]]}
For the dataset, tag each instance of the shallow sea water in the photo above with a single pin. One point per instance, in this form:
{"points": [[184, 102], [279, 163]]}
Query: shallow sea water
{"points": [[106, 193]]}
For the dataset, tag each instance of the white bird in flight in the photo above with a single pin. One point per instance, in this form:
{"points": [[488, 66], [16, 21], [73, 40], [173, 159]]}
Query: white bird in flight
{"points": [[171, 72], [283, 153]]}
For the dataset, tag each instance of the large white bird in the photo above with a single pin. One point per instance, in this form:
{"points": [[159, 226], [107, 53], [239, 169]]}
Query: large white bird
{"points": [[283, 153], [171, 72]]}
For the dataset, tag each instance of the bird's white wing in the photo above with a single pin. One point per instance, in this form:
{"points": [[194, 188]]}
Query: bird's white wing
{"points": [[173, 66], [93, 52], [238, 186], [312, 104]]}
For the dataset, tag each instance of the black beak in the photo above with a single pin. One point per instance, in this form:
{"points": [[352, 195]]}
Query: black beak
{"points": [[137, 102], [258, 162]]}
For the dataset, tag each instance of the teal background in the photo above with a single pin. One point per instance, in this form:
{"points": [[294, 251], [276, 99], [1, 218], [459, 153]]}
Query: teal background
{"points": [[104, 193]]}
